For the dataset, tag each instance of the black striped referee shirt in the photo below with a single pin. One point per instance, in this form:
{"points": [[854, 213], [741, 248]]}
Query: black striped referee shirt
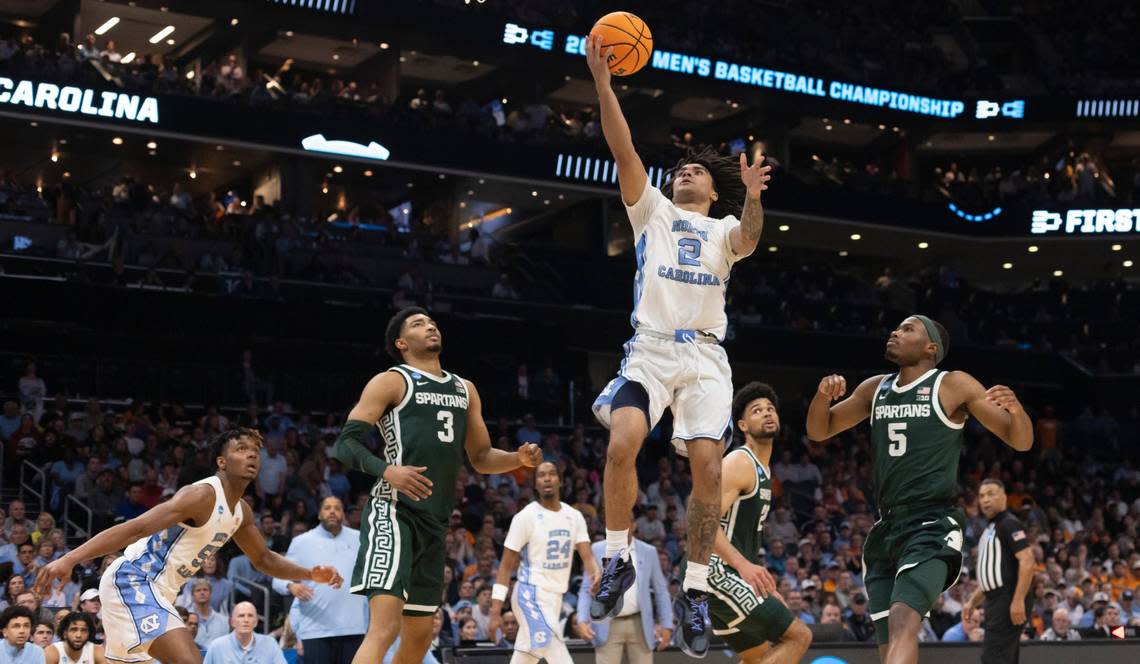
{"points": [[997, 552]]}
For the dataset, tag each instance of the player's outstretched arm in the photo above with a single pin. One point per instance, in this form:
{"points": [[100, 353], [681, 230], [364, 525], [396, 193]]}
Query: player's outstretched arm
{"points": [[825, 420], [631, 172], [737, 477], [997, 408], [252, 544], [484, 458], [191, 503], [744, 238]]}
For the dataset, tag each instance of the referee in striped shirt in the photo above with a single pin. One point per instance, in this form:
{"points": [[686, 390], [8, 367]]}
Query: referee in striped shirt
{"points": [[1004, 574]]}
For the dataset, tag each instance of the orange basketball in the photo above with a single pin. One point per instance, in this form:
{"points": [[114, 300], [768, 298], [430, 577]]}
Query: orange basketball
{"points": [[630, 39]]}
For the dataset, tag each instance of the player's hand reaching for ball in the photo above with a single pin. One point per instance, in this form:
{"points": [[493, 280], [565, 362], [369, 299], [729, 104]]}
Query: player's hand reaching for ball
{"points": [[754, 177], [597, 59], [409, 480], [327, 574], [530, 455], [833, 386], [57, 570], [1004, 398]]}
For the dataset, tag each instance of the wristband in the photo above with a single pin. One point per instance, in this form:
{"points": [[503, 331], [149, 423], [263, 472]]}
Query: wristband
{"points": [[499, 592]]}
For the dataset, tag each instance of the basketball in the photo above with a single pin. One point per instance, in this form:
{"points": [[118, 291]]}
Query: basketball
{"points": [[630, 39]]}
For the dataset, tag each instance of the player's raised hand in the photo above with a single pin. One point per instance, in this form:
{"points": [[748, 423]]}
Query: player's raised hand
{"points": [[756, 176], [57, 570], [327, 574], [597, 59], [833, 386], [409, 480], [530, 455], [760, 579], [1003, 397]]}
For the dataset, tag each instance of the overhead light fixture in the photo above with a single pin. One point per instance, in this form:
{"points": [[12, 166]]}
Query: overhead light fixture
{"points": [[504, 100], [193, 173], [106, 27], [1117, 247], [233, 21], [118, 140], [170, 42], [190, 75], [384, 46], [151, 145], [882, 127], [1032, 249], [475, 63], [367, 174], [1058, 273], [846, 120], [773, 249], [843, 253], [1127, 263], [336, 56], [828, 127], [161, 34], [856, 236], [237, 162], [338, 169], [289, 33], [128, 58], [784, 227], [923, 245], [534, 193], [1007, 266], [324, 187], [55, 156]]}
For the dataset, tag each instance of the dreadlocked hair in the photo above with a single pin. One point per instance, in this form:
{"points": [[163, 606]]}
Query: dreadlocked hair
{"points": [[725, 172]]}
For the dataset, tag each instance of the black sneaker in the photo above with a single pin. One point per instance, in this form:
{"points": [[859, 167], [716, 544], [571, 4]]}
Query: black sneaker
{"points": [[693, 617], [618, 575]]}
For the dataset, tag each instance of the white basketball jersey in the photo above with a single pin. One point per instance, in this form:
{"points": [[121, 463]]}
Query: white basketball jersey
{"points": [[170, 557], [86, 656], [545, 541], [683, 264]]}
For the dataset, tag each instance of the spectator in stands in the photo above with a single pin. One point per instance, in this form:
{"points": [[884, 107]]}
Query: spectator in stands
{"points": [[22, 444], [831, 615], [271, 477], [43, 634], [1062, 629], [858, 621], [504, 289], [243, 644], [481, 612], [331, 623], [25, 564], [510, 630], [798, 609], [12, 589], [133, 505], [528, 432], [9, 419], [33, 391], [961, 632], [211, 624], [649, 527], [30, 601], [64, 474], [16, 624], [468, 631]]}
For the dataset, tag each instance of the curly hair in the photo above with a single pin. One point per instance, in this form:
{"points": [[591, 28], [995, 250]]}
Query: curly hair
{"points": [[725, 173], [221, 440], [749, 393]]}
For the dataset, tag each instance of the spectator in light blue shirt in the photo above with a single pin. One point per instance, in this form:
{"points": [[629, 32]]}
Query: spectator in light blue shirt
{"points": [[330, 622], [242, 645], [16, 647]]}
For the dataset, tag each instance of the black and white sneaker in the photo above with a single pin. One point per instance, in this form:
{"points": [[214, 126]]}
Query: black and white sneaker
{"points": [[693, 618], [618, 575]]}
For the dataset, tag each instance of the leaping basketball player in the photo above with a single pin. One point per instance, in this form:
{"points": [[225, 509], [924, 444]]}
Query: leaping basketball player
{"points": [[167, 546], [686, 246]]}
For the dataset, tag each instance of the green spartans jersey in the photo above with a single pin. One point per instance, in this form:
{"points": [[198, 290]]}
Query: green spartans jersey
{"points": [[916, 444], [745, 520], [428, 428]]}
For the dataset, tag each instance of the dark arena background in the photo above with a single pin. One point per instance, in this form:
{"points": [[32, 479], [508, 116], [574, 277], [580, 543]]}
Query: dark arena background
{"points": [[209, 210]]}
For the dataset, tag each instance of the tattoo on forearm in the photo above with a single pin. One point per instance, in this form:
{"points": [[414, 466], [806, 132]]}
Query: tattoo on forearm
{"points": [[751, 219], [703, 522]]}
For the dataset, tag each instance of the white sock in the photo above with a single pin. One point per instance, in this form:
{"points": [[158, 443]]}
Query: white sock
{"points": [[617, 541], [696, 577]]}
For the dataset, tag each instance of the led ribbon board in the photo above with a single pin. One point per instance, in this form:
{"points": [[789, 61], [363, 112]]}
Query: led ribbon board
{"points": [[745, 74], [74, 99], [1085, 222]]}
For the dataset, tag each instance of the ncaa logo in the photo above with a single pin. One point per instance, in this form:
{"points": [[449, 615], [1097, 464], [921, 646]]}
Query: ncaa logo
{"points": [[540, 638], [149, 623]]}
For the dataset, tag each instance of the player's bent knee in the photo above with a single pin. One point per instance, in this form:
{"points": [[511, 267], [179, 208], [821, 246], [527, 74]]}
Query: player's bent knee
{"points": [[797, 635]]}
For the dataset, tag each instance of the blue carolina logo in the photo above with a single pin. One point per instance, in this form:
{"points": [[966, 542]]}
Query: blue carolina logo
{"points": [[221, 510]]}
